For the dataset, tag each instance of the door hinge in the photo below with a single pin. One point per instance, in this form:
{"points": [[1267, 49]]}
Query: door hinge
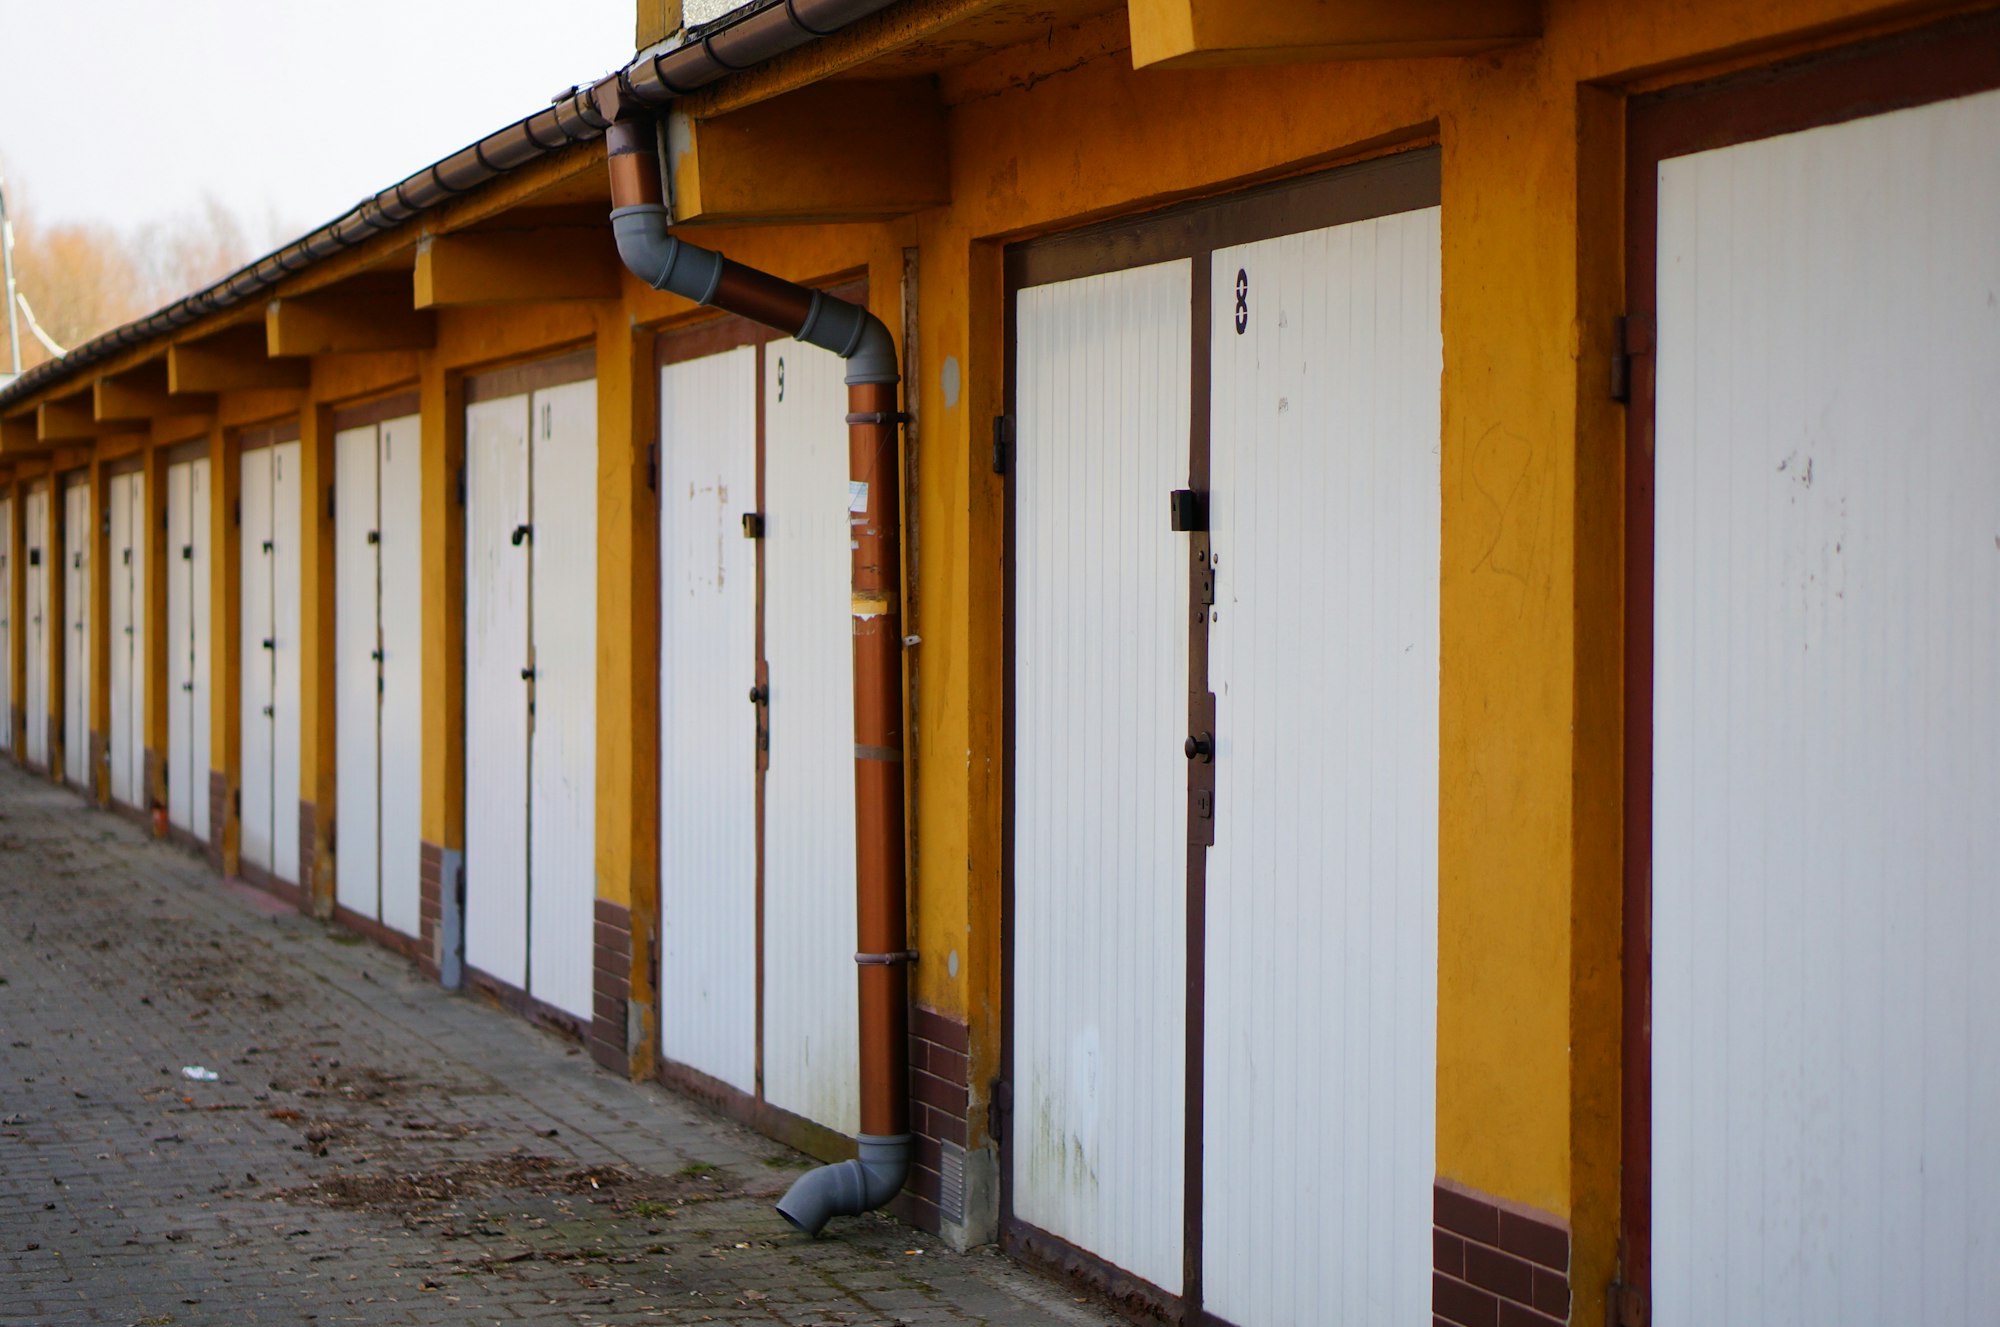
{"points": [[1631, 335], [652, 467], [236, 512], [1203, 572], [1630, 1306], [1003, 433], [461, 486], [329, 502], [999, 1108], [236, 801]]}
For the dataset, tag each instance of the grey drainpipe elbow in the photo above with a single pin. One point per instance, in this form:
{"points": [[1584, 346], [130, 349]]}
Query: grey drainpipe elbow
{"points": [[666, 262], [848, 1188]]}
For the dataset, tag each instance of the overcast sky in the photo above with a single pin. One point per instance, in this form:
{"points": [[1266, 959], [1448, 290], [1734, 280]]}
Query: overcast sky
{"points": [[129, 111]]}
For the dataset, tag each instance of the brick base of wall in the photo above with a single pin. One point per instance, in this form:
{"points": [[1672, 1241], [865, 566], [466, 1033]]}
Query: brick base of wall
{"points": [[308, 848], [430, 906], [1496, 1264], [938, 1097], [611, 987], [100, 761], [218, 816]]}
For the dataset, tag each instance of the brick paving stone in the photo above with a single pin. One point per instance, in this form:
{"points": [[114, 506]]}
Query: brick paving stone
{"points": [[376, 1150]]}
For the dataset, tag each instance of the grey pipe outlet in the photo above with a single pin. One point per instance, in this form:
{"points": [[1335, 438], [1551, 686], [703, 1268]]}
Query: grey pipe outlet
{"points": [[848, 1188]]}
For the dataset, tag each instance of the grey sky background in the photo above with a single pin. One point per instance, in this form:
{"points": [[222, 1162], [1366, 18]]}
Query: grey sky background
{"points": [[130, 111]]}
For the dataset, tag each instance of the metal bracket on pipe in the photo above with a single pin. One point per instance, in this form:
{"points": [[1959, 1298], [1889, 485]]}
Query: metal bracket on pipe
{"points": [[886, 960], [879, 417]]}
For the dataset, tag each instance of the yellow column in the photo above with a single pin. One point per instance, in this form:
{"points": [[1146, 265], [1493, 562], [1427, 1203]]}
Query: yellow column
{"points": [[316, 689], [225, 665], [628, 645], [442, 406]]}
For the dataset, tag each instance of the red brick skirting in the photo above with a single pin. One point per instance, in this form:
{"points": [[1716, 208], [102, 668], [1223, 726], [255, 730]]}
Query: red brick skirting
{"points": [[218, 816], [1496, 1264], [430, 905], [100, 760], [611, 987], [308, 850], [938, 1047]]}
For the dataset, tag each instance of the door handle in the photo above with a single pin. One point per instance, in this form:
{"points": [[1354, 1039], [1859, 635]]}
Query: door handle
{"points": [[376, 655], [760, 695], [187, 686], [374, 536], [267, 545], [269, 711], [270, 644], [522, 532], [527, 674], [1200, 747]]}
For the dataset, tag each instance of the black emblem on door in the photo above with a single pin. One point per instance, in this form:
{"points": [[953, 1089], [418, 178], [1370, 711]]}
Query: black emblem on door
{"points": [[1242, 301]]}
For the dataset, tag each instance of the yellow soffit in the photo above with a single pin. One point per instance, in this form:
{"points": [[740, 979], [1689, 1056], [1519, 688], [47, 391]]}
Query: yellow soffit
{"points": [[1197, 33]]}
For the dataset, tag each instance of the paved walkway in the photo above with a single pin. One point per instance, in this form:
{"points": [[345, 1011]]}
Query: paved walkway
{"points": [[375, 1150]]}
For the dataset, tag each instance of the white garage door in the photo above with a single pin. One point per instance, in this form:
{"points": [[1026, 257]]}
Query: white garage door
{"points": [[188, 572], [126, 647], [77, 566], [271, 498], [531, 691], [1826, 904], [378, 672]]}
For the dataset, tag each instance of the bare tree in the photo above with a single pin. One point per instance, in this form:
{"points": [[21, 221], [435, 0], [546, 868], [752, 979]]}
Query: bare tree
{"points": [[84, 279]]}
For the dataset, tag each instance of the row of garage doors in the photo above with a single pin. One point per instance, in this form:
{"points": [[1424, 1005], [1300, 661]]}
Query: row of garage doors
{"points": [[1224, 563]]}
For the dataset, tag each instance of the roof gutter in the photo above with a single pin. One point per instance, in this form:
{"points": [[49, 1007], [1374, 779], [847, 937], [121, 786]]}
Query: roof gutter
{"points": [[579, 116]]}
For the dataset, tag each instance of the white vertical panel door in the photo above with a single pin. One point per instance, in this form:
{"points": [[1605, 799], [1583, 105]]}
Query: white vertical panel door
{"points": [[77, 530], [562, 855], [256, 647], [708, 757], [36, 628], [1826, 727], [126, 647], [356, 675], [201, 575], [401, 614], [183, 789], [812, 1034], [1321, 934], [1101, 697], [287, 512], [7, 624], [118, 645], [496, 706]]}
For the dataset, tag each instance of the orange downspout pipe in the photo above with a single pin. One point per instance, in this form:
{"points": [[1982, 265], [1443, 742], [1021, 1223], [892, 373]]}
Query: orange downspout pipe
{"points": [[640, 222]]}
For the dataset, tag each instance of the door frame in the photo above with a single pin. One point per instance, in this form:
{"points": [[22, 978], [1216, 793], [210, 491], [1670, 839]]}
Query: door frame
{"points": [[1939, 62], [1405, 178], [707, 336]]}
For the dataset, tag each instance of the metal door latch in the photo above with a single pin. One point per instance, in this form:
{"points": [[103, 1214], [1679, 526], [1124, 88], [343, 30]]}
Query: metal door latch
{"points": [[522, 532], [1187, 510], [753, 525]]}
